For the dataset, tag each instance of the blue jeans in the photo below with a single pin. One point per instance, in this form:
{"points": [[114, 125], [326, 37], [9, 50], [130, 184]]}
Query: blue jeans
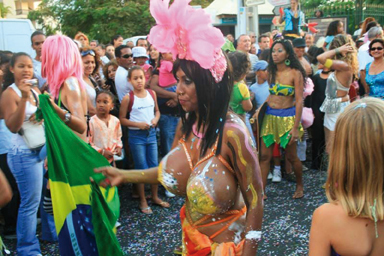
{"points": [[143, 146], [27, 169], [248, 124], [167, 125], [48, 230]]}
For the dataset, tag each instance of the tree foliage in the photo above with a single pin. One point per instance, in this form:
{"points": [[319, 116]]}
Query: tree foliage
{"points": [[99, 19], [4, 10]]}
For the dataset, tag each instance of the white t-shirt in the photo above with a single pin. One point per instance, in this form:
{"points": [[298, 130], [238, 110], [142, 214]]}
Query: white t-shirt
{"points": [[363, 56], [37, 72], [253, 58], [123, 87]]}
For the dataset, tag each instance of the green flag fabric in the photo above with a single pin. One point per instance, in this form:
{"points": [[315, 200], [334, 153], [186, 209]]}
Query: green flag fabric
{"points": [[84, 213]]}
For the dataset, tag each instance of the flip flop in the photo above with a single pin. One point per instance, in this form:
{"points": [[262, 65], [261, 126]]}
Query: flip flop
{"points": [[162, 204], [178, 251], [298, 195], [146, 210]]}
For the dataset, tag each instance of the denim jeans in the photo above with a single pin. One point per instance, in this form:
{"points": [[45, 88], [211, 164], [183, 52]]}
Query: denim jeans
{"points": [[27, 170], [143, 145], [167, 125], [48, 230], [248, 124]]}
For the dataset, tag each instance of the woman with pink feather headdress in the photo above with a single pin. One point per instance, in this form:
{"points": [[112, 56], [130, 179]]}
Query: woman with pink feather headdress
{"points": [[213, 162]]}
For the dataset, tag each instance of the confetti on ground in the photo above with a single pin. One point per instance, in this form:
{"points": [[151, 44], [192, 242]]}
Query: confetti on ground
{"points": [[286, 222]]}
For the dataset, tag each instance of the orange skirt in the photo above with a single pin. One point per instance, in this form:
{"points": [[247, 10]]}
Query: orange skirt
{"points": [[198, 244]]}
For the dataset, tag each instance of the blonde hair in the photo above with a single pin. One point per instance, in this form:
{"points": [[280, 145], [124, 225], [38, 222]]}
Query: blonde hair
{"points": [[356, 165], [351, 57]]}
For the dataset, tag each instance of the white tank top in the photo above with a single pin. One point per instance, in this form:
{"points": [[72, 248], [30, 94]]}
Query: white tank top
{"points": [[143, 110], [91, 92], [16, 139]]}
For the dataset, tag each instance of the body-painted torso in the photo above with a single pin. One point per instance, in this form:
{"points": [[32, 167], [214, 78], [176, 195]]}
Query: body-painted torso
{"points": [[209, 183]]}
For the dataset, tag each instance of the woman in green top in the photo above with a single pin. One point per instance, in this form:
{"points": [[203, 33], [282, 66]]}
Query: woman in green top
{"points": [[240, 101]]}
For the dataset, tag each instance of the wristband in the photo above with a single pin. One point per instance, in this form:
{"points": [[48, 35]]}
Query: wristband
{"points": [[337, 51], [328, 63]]}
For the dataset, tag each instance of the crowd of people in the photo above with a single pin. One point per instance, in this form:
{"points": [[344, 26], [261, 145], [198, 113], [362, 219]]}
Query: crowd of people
{"points": [[209, 120]]}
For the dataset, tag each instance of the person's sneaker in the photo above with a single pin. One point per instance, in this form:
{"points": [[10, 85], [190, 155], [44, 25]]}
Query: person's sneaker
{"points": [[169, 194], [118, 224], [270, 176], [276, 175]]}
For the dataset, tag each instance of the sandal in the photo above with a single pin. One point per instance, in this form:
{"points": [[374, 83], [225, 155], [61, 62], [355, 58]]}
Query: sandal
{"points": [[298, 195], [146, 210], [178, 251], [162, 204]]}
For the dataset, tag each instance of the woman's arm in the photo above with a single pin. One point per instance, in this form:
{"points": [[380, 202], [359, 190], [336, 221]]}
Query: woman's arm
{"points": [[123, 116], [326, 58], [13, 111], [116, 176], [244, 160], [298, 82], [157, 112], [71, 96], [161, 92]]}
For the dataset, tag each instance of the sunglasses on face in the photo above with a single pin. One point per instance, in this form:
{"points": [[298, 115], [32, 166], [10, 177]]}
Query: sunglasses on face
{"points": [[90, 52], [376, 48], [126, 56]]}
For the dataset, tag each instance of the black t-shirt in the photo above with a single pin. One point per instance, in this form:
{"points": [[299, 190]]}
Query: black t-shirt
{"points": [[318, 94]]}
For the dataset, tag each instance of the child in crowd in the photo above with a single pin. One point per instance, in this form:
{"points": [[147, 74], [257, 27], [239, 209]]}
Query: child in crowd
{"points": [[140, 57], [104, 128], [166, 77], [144, 114], [240, 102], [334, 28]]}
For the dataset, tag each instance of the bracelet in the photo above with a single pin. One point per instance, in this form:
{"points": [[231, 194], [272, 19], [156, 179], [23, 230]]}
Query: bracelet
{"points": [[337, 51], [328, 63]]}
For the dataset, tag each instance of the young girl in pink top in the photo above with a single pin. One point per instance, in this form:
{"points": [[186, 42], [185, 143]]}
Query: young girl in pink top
{"points": [[104, 128], [166, 77]]}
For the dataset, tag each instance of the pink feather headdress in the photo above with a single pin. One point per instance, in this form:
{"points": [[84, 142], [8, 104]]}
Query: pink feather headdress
{"points": [[188, 34]]}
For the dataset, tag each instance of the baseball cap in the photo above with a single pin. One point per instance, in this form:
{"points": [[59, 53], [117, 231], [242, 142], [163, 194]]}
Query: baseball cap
{"points": [[260, 65], [139, 51]]}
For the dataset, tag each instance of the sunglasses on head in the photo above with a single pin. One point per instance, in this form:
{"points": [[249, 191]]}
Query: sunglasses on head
{"points": [[126, 56], [90, 52], [376, 48]]}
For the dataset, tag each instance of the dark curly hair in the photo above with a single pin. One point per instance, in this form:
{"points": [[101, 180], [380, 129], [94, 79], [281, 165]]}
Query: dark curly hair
{"points": [[8, 75], [294, 61], [213, 100], [95, 56], [241, 61]]}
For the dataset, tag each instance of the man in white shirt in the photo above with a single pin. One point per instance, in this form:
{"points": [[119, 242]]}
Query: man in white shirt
{"points": [[124, 58], [244, 45], [363, 55], [37, 40]]}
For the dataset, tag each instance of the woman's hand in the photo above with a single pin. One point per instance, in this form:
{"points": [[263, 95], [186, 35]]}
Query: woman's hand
{"points": [[33, 119], [118, 151], [346, 49], [113, 176], [154, 122], [143, 126], [172, 103], [25, 88], [107, 154], [294, 133]]}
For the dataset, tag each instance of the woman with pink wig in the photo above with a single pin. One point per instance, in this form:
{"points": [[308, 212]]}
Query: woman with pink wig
{"points": [[62, 67]]}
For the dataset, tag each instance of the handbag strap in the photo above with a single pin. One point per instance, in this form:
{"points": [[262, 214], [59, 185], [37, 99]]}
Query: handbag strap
{"points": [[34, 96]]}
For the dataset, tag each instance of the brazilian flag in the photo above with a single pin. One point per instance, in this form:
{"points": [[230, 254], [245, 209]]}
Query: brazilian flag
{"points": [[85, 215]]}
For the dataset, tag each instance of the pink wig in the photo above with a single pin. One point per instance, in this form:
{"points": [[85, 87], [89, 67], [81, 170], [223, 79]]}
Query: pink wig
{"points": [[60, 59]]}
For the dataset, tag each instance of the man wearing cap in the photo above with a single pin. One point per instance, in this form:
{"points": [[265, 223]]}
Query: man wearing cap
{"points": [[299, 48], [124, 58]]}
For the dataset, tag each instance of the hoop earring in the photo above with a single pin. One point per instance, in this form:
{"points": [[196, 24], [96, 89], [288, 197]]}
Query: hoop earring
{"points": [[287, 62]]}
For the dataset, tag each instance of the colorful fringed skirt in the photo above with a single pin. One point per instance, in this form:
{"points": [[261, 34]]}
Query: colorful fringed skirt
{"points": [[198, 244], [276, 125]]}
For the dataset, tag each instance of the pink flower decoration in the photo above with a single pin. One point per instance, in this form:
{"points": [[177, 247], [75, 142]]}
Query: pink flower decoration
{"points": [[186, 33]]}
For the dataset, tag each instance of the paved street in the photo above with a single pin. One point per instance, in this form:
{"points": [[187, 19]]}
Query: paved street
{"points": [[285, 227]]}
